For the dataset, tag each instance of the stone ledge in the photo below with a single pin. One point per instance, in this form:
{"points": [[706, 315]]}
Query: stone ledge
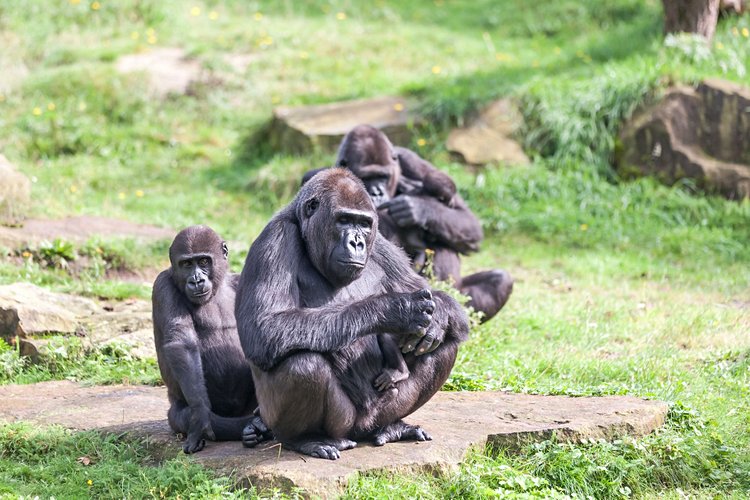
{"points": [[457, 421]]}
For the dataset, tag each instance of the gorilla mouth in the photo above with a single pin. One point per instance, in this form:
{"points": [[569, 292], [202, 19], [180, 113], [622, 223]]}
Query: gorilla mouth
{"points": [[353, 263], [202, 293]]}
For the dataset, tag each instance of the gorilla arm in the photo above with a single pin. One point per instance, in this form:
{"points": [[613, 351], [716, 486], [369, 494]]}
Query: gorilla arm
{"points": [[455, 227], [178, 344], [448, 319], [272, 321]]}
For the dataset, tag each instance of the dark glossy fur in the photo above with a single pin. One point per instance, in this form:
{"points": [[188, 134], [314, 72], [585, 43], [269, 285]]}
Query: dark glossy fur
{"points": [[209, 380], [310, 327], [418, 212]]}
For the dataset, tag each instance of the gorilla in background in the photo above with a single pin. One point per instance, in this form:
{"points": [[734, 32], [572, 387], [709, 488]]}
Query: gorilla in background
{"points": [[419, 209], [209, 380], [320, 285]]}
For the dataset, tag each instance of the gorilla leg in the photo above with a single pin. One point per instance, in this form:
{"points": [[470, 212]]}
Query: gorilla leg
{"points": [[224, 428], [304, 404], [427, 374], [489, 291]]}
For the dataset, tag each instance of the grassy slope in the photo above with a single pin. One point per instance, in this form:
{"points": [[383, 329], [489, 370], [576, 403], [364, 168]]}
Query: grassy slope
{"points": [[622, 288]]}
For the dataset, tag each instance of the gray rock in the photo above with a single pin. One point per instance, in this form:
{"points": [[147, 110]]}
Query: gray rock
{"points": [[457, 422], [28, 311], [306, 128], [15, 190], [700, 134], [489, 138]]}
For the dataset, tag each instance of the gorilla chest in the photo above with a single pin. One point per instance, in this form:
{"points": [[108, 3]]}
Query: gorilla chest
{"points": [[316, 291]]}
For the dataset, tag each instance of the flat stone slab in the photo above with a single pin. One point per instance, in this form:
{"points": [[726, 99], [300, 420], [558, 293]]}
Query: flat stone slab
{"points": [[79, 229], [457, 422], [488, 138], [302, 129]]}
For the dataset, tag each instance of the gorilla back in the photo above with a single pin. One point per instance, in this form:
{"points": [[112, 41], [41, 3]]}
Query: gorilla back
{"points": [[319, 285]]}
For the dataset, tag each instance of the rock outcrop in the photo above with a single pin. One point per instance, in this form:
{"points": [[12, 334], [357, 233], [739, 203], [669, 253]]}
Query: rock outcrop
{"points": [[701, 134], [489, 138], [302, 129]]}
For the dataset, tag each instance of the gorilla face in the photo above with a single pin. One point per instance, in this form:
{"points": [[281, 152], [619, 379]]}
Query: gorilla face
{"points": [[368, 153], [199, 262], [339, 226]]}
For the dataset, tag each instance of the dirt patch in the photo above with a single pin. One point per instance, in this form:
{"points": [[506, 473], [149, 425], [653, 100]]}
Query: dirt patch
{"points": [[79, 229]]}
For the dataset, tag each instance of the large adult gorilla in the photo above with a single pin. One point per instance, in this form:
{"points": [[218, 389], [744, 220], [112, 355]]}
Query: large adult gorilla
{"points": [[320, 284], [416, 212]]}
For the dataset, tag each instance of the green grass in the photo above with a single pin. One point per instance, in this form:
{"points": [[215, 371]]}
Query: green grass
{"points": [[622, 287]]}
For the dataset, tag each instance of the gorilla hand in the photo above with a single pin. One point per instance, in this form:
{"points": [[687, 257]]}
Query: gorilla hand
{"points": [[407, 211], [411, 313], [199, 429], [255, 432], [421, 344]]}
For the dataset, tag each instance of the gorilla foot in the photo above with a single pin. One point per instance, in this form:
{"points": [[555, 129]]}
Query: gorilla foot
{"points": [[324, 448], [255, 432], [193, 445], [400, 431]]}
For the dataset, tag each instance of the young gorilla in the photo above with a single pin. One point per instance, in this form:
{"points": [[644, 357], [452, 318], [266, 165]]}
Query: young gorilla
{"points": [[425, 217], [209, 380], [324, 285]]}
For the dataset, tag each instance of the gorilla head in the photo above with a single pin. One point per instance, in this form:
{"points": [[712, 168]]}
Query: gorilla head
{"points": [[338, 223], [199, 263], [368, 153]]}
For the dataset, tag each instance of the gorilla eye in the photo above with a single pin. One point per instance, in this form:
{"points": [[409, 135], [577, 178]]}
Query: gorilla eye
{"points": [[311, 206], [184, 263], [203, 262]]}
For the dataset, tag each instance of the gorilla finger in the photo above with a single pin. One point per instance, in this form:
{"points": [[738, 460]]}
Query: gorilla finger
{"points": [[425, 345], [424, 293], [259, 425]]}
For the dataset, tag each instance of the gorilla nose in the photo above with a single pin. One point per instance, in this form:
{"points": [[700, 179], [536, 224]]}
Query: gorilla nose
{"points": [[357, 244]]}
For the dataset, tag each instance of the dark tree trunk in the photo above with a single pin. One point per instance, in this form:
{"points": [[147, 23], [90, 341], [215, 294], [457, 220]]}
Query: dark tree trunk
{"points": [[692, 16]]}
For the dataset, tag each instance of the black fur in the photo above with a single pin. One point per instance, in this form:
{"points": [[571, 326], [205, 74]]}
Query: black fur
{"points": [[419, 209], [209, 381], [311, 325]]}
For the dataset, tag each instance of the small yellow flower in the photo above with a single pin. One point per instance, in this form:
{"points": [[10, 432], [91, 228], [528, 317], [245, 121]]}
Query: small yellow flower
{"points": [[36, 111], [73, 188], [135, 35], [304, 55], [213, 15], [735, 31], [150, 32], [266, 41], [74, 2], [26, 254], [195, 11], [398, 106], [51, 106], [745, 32], [719, 45], [436, 70], [503, 57], [99, 250], [341, 16], [89, 482], [421, 142], [258, 16], [275, 99], [121, 195], [151, 40], [557, 50], [96, 6], [584, 227], [81, 106], [139, 194]]}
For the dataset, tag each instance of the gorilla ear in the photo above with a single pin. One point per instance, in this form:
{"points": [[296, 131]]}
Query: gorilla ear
{"points": [[342, 163], [225, 249], [311, 206]]}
